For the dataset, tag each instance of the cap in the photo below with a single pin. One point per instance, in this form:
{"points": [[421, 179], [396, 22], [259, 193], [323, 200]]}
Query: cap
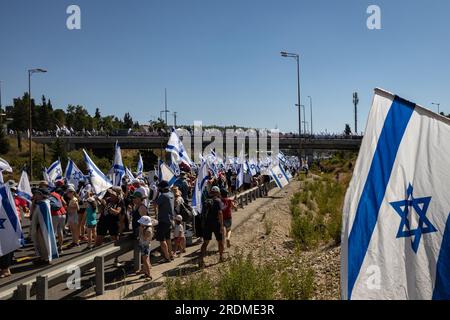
{"points": [[43, 183], [145, 220], [71, 188], [137, 194], [178, 218], [215, 189]]}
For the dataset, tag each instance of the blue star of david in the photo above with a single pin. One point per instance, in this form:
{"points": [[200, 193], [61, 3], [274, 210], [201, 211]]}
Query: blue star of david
{"points": [[77, 176], [90, 172], [280, 175], [424, 225], [2, 221]]}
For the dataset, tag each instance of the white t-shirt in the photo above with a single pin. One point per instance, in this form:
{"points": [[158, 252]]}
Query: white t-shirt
{"points": [[179, 231]]}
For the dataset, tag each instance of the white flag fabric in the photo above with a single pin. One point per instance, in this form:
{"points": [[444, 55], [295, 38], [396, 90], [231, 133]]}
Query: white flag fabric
{"points": [[1, 177], [55, 171], [24, 187], [140, 167], [73, 174], [176, 148], [129, 174], [200, 184], [396, 227], [118, 167], [10, 230], [43, 216], [167, 174], [99, 181], [279, 176], [4, 166]]}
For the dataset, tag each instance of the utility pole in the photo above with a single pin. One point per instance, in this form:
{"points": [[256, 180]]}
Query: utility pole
{"points": [[165, 107], [1, 94], [175, 119], [355, 103]]}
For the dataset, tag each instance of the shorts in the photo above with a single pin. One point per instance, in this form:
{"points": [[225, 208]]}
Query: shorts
{"points": [[179, 240], [106, 226], [145, 250], [58, 223], [72, 218], [163, 231], [91, 226], [209, 230], [227, 223]]}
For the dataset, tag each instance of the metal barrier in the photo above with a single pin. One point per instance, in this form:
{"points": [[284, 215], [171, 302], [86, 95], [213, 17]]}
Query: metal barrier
{"points": [[38, 283]]}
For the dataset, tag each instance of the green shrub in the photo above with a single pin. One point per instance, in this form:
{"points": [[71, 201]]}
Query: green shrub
{"points": [[243, 279], [297, 285], [194, 288]]}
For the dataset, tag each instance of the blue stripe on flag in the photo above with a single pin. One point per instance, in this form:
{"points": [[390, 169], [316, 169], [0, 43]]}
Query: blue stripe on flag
{"points": [[9, 210], [442, 284], [49, 227], [274, 176], [375, 187]]}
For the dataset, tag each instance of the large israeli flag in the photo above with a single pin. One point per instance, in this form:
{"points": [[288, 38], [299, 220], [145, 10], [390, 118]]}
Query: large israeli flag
{"points": [[279, 176], [99, 181], [10, 229], [118, 167], [73, 174], [43, 215], [176, 148], [55, 171], [396, 227], [24, 187]]}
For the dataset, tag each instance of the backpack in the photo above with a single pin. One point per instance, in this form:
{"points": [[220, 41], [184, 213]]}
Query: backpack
{"points": [[206, 210], [186, 213], [55, 203]]}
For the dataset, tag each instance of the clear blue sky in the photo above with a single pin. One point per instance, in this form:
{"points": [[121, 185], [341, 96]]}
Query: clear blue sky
{"points": [[220, 59]]}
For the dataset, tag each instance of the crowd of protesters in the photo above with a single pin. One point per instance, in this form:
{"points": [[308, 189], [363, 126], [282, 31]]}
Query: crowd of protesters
{"points": [[147, 208]]}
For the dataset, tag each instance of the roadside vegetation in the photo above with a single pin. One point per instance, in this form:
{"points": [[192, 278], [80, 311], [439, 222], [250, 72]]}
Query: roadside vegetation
{"points": [[244, 278], [317, 208]]}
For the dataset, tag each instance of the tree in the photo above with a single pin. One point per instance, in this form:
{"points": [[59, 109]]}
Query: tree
{"points": [[59, 151], [127, 121], [4, 144], [348, 130]]}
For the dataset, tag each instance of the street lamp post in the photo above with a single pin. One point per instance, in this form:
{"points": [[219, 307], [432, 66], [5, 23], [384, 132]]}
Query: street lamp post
{"points": [[1, 94], [30, 112], [438, 106], [310, 110], [297, 58]]}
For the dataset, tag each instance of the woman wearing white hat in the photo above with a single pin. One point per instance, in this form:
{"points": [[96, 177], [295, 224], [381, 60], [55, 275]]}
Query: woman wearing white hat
{"points": [[145, 237]]}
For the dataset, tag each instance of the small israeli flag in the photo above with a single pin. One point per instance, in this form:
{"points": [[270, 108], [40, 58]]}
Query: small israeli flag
{"points": [[279, 176], [167, 174], [118, 167], [73, 174], [55, 172], [179, 154], [199, 185], [140, 167], [99, 181], [24, 187]]}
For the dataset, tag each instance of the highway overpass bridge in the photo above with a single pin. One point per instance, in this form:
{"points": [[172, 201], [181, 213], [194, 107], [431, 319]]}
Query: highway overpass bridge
{"points": [[288, 144]]}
